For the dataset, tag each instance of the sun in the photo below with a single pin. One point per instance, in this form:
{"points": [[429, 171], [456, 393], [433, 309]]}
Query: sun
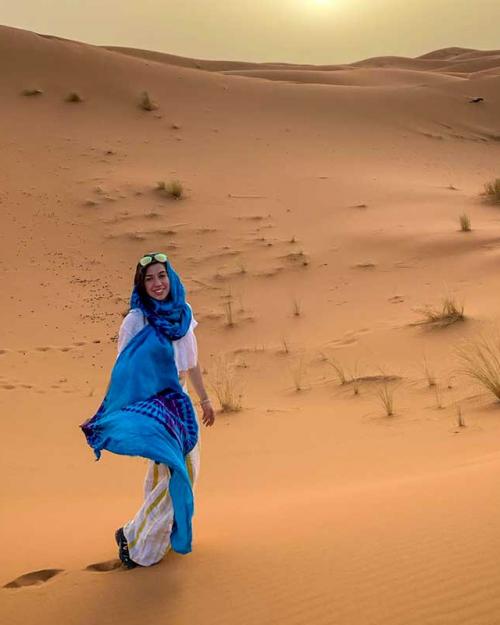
{"points": [[310, 5], [325, 4]]}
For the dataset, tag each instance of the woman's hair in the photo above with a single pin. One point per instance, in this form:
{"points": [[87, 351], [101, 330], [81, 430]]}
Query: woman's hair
{"points": [[140, 277]]}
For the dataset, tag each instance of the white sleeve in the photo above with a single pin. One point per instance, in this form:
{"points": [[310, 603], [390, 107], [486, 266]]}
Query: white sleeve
{"points": [[186, 349], [131, 325]]}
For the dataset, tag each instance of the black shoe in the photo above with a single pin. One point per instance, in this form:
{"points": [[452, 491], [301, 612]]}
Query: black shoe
{"points": [[123, 553]]}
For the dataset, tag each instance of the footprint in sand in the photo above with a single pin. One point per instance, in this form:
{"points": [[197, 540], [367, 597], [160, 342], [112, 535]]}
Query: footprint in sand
{"points": [[34, 578], [104, 567], [396, 299]]}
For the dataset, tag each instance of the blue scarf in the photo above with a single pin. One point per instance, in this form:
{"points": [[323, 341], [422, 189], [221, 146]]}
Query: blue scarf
{"points": [[145, 411]]}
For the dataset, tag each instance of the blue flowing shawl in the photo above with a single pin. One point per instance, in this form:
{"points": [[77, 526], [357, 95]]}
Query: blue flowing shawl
{"points": [[145, 411]]}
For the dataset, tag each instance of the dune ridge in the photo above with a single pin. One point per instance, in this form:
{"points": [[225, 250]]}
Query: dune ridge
{"points": [[462, 60], [323, 204]]}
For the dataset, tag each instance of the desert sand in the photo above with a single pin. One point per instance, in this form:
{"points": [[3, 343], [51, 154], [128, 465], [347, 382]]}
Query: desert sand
{"points": [[323, 203]]}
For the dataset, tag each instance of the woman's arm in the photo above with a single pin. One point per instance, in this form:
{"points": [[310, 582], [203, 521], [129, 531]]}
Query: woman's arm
{"points": [[196, 378]]}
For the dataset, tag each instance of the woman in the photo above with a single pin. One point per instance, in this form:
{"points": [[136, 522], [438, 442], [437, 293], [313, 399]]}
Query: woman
{"points": [[147, 412]]}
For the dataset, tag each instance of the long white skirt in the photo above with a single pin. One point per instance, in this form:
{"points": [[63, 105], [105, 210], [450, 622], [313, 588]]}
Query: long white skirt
{"points": [[148, 533]]}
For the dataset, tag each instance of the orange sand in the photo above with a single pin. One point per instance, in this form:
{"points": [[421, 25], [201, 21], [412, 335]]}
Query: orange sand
{"points": [[339, 187]]}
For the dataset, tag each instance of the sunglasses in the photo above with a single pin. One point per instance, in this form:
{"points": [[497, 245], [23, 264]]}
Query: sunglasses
{"points": [[149, 258]]}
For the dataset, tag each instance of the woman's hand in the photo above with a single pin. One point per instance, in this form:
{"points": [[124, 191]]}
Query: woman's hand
{"points": [[196, 378], [208, 417]]}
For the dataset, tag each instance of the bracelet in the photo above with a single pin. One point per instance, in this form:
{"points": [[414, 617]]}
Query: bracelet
{"points": [[205, 401]]}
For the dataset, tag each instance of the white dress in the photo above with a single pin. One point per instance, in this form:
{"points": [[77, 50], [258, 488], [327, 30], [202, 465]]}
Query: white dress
{"points": [[185, 349], [148, 533]]}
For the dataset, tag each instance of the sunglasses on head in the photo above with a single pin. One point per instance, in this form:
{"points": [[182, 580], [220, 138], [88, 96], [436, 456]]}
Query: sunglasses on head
{"points": [[149, 258]]}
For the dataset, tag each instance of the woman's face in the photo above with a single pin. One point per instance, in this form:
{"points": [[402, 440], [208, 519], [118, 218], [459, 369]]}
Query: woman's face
{"points": [[156, 281]]}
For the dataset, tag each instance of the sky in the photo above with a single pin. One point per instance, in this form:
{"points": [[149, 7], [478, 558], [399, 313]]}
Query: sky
{"points": [[295, 31]]}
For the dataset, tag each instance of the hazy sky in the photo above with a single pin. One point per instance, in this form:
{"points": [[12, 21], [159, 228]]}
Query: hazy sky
{"points": [[299, 31]]}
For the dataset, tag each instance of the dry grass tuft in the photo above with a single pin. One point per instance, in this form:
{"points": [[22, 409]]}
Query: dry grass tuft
{"points": [[296, 307], [73, 96], [355, 379], [223, 381], [228, 312], [492, 190], [385, 395], [437, 393], [146, 103], [338, 368], [298, 371], [460, 418], [285, 348], [173, 188], [450, 312], [481, 361], [465, 225], [429, 373]]}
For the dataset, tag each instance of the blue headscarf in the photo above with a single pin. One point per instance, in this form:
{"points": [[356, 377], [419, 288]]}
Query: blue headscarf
{"points": [[171, 316], [145, 411], [149, 357]]}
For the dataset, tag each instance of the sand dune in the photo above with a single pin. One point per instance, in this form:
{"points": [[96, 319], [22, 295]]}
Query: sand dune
{"points": [[171, 59], [458, 54], [455, 57], [380, 77], [473, 65], [210, 65], [328, 214]]}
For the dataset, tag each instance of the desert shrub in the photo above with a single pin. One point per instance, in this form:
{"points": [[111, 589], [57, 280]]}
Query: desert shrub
{"points": [[480, 361], [225, 386], [438, 397], [146, 103], [298, 371], [73, 96], [385, 395], [338, 368], [355, 379], [430, 376], [228, 312], [465, 225], [285, 348], [492, 190], [450, 312], [173, 188], [296, 307]]}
